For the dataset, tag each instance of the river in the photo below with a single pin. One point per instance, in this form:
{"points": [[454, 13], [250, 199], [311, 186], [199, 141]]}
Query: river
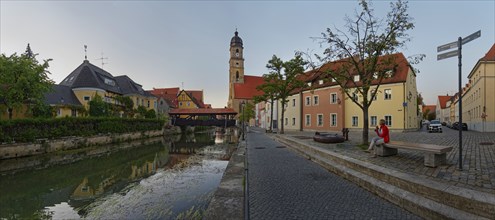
{"points": [[159, 178]]}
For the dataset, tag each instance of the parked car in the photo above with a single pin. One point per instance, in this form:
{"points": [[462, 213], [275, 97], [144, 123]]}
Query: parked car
{"points": [[456, 126], [444, 124], [425, 122], [435, 126]]}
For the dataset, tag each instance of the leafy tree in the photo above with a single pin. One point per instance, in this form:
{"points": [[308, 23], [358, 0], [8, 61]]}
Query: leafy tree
{"points": [[283, 79], [150, 114], [248, 112], [127, 105], [432, 116], [98, 108], [269, 95], [141, 110], [23, 80], [365, 49], [42, 110], [426, 113]]}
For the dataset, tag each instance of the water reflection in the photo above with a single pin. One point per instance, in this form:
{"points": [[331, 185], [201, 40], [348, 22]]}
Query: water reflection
{"points": [[72, 182]]}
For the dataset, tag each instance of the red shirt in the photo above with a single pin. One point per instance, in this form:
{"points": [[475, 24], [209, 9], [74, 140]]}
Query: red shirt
{"points": [[384, 133]]}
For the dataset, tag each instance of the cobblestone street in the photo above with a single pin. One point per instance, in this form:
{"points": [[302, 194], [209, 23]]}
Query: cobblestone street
{"points": [[285, 185]]}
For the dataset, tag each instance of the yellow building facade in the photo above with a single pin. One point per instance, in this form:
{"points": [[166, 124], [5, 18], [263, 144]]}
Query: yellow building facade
{"points": [[395, 102], [478, 102]]}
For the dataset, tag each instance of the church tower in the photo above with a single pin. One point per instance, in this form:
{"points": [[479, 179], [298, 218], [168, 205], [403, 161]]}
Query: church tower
{"points": [[236, 65]]}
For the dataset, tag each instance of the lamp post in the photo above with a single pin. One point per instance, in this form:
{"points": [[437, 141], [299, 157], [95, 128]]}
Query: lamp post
{"points": [[243, 119]]}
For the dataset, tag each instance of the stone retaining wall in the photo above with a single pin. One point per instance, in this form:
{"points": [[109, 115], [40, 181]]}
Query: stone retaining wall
{"points": [[47, 146]]}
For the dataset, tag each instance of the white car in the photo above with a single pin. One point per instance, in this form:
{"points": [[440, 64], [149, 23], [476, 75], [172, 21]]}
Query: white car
{"points": [[435, 126]]}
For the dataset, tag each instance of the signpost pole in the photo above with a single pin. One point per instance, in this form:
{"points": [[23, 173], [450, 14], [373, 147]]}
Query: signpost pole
{"points": [[458, 52], [459, 55]]}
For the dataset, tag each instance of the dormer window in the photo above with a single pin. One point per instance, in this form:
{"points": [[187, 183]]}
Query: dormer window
{"points": [[320, 82], [309, 84], [356, 78], [388, 74], [109, 82]]}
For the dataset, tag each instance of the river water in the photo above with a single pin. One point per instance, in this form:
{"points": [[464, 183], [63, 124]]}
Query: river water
{"points": [[159, 178]]}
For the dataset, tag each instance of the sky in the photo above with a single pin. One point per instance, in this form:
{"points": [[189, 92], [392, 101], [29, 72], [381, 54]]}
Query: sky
{"points": [[161, 44]]}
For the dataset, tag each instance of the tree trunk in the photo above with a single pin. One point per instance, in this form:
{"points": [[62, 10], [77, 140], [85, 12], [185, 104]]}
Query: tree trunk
{"points": [[282, 119], [10, 110], [365, 125], [271, 115]]}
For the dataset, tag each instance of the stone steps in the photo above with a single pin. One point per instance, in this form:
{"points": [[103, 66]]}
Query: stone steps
{"points": [[425, 197]]}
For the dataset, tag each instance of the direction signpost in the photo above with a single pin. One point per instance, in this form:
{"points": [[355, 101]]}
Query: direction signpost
{"points": [[460, 41]]}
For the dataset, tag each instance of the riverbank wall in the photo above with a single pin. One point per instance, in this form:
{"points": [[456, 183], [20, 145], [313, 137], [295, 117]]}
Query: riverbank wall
{"points": [[44, 146]]}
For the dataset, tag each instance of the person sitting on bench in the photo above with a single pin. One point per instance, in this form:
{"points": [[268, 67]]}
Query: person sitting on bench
{"points": [[383, 137]]}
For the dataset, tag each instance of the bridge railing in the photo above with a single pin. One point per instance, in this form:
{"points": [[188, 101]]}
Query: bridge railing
{"points": [[209, 122]]}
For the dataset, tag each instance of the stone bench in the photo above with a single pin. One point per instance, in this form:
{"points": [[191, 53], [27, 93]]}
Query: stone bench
{"points": [[434, 154]]}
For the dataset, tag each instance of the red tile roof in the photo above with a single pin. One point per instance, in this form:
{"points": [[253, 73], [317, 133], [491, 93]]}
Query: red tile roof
{"points": [[247, 90], [168, 94], [443, 100], [197, 97], [490, 55], [202, 111], [432, 108]]}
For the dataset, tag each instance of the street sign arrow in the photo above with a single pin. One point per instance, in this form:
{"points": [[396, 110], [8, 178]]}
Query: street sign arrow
{"points": [[447, 55], [447, 46], [471, 37]]}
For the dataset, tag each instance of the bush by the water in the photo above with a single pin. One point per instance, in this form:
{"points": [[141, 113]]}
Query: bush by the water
{"points": [[28, 130]]}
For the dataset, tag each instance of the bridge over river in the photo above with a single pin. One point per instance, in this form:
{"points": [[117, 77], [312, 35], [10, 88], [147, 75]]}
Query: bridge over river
{"points": [[219, 117]]}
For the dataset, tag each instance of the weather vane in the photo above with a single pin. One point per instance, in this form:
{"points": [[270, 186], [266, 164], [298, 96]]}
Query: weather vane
{"points": [[85, 52]]}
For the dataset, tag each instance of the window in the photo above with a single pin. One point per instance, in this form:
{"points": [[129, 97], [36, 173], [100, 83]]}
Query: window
{"points": [[286, 121], [356, 78], [333, 80], [333, 120], [315, 100], [308, 120], [320, 120], [109, 82], [59, 112], [161, 102], [87, 98], [388, 120], [188, 104], [293, 102], [333, 98], [309, 84], [371, 94], [137, 101], [354, 121], [73, 112], [355, 97], [180, 103], [148, 103], [373, 121], [320, 82], [293, 121], [237, 75], [388, 94], [308, 100]]}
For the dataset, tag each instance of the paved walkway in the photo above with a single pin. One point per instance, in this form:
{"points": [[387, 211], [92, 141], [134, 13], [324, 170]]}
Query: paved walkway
{"points": [[478, 159], [284, 185]]}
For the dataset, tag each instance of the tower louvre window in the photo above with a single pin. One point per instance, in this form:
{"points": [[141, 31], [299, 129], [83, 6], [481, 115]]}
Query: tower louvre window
{"points": [[237, 75]]}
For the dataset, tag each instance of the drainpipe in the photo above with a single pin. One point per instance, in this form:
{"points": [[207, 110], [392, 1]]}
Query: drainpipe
{"points": [[404, 101], [301, 111]]}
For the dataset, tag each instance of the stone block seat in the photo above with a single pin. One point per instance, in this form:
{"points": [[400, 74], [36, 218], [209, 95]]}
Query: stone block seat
{"points": [[434, 154]]}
